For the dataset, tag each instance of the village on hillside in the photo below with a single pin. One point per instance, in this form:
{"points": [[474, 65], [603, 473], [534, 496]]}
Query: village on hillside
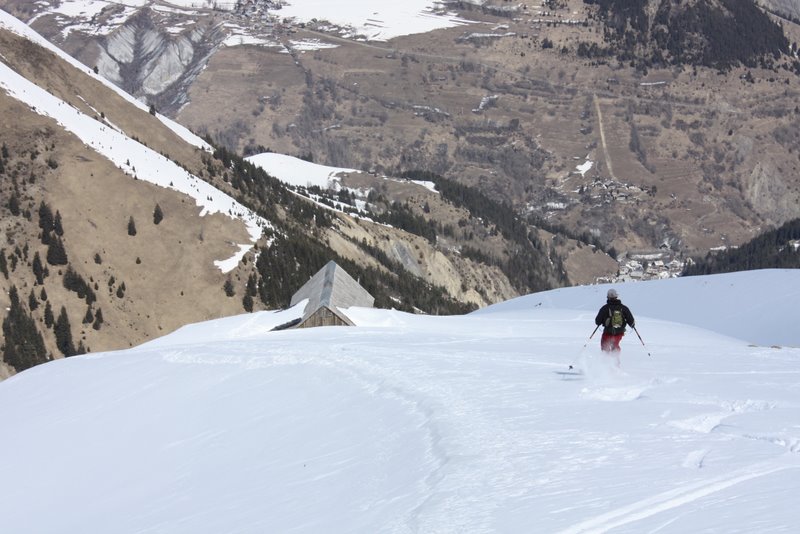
{"points": [[647, 265]]}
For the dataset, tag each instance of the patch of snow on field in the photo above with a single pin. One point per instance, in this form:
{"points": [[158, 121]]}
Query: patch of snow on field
{"points": [[430, 186], [223, 5], [583, 168], [240, 39], [297, 172], [381, 20], [309, 45]]}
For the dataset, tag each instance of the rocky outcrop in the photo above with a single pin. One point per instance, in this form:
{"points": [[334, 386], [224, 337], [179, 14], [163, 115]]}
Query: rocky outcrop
{"points": [[146, 60], [770, 195]]}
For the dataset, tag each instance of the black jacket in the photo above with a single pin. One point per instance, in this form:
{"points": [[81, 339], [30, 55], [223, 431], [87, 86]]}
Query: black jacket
{"points": [[604, 316]]}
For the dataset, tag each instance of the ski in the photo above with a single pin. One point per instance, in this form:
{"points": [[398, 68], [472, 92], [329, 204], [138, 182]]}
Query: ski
{"points": [[570, 374]]}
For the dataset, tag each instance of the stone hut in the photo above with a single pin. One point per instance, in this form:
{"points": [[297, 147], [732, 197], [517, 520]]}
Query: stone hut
{"points": [[327, 292]]}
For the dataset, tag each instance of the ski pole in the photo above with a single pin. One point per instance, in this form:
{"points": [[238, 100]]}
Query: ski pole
{"points": [[587, 342], [590, 337], [640, 339]]}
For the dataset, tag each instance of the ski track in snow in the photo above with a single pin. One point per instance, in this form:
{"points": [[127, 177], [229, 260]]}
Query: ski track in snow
{"points": [[450, 484], [471, 449], [674, 498]]}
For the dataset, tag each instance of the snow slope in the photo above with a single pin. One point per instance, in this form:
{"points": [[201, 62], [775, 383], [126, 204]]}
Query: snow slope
{"points": [[760, 307], [413, 424]]}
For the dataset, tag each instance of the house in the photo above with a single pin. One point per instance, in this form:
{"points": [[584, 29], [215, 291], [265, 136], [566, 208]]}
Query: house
{"points": [[328, 292]]}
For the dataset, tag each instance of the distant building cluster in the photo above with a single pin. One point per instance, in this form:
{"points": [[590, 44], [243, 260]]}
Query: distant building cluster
{"points": [[647, 265]]}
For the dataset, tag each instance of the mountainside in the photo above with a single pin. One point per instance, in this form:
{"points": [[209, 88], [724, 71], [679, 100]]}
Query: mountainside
{"points": [[409, 423], [120, 225], [789, 9], [779, 248], [720, 34], [648, 124], [81, 243]]}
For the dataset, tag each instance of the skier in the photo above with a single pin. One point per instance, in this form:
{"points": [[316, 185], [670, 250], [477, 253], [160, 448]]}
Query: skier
{"points": [[614, 315]]}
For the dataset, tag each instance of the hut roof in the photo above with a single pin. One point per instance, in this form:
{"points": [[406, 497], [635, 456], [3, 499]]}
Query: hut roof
{"points": [[332, 288]]}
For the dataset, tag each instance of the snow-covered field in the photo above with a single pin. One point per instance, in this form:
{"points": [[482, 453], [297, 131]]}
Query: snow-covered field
{"points": [[420, 424], [296, 171], [376, 20]]}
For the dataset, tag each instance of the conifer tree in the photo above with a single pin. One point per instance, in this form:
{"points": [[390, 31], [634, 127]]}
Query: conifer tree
{"points": [[32, 302], [252, 285], [38, 268], [158, 215], [89, 317], [63, 333], [46, 221], [13, 204], [49, 320], [75, 282], [56, 254], [229, 288], [247, 303], [23, 346], [3, 264], [98, 319], [57, 227], [131, 226]]}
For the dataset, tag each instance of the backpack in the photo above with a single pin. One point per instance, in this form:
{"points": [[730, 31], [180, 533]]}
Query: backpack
{"points": [[616, 320]]}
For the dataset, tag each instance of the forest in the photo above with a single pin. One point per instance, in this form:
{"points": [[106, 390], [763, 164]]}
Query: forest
{"points": [[775, 249], [295, 255], [719, 35]]}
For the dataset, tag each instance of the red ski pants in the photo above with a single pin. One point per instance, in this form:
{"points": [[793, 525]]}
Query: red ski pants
{"points": [[610, 342]]}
